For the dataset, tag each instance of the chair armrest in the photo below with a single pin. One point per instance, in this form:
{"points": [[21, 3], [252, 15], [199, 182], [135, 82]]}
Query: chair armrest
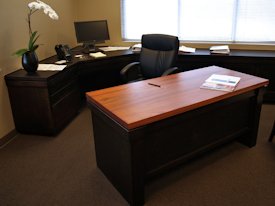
{"points": [[172, 70], [130, 72]]}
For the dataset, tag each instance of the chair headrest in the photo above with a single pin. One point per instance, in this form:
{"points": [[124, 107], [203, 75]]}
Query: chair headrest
{"points": [[160, 42]]}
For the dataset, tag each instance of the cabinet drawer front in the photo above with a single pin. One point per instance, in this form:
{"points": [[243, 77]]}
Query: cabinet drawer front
{"points": [[58, 95], [67, 108], [61, 79]]}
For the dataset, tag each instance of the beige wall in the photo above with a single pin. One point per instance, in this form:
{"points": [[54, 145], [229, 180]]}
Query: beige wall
{"points": [[14, 35], [103, 9]]}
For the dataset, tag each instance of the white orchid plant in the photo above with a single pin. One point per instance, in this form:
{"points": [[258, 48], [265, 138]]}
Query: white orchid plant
{"points": [[33, 7]]}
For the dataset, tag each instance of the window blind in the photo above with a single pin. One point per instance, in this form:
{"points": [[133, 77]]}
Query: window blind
{"points": [[200, 20]]}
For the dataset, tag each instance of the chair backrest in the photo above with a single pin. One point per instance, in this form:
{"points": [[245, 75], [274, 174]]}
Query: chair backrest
{"points": [[158, 53]]}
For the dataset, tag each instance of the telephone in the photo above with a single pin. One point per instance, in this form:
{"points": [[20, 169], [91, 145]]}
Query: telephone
{"points": [[63, 52]]}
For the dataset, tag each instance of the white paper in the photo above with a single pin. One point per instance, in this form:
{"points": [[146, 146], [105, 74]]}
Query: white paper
{"points": [[113, 48], [50, 67], [222, 49], [214, 86], [223, 79], [61, 62], [187, 49], [136, 48], [78, 56], [97, 54], [221, 82]]}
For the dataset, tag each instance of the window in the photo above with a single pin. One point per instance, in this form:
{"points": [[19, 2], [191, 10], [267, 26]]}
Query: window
{"points": [[200, 20]]}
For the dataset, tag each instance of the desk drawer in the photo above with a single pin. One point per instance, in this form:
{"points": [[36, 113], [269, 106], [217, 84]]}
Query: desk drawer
{"points": [[66, 108], [61, 79], [63, 91]]}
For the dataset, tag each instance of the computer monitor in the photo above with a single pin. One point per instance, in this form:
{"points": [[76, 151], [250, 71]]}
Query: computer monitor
{"points": [[91, 32]]}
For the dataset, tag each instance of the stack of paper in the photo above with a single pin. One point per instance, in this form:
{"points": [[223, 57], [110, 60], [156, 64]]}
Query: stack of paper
{"points": [[221, 82], [187, 49], [50, 67], [223, 49], [136, 48], [113, 48], [97, 54]]}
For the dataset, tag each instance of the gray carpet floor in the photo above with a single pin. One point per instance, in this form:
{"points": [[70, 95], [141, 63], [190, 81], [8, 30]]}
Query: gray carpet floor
{"points": [[61, 170]]}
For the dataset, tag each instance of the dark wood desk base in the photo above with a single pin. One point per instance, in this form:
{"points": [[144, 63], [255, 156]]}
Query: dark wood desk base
{"points": [[43, 103], [128, 157], [272, 134]]}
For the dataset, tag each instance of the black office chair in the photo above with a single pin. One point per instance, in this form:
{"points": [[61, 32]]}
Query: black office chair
{"points": [[157, 58]]}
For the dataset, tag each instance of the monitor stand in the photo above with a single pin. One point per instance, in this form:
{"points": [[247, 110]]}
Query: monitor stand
{"points": [[89, 48]]}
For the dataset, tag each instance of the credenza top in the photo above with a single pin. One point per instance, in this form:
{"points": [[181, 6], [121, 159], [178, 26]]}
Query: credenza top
{"points": [[37, 76], [140, 103]]}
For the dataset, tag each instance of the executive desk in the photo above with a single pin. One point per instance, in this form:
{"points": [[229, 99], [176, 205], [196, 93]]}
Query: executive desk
{"points": [[45, 102], [141, 129]]}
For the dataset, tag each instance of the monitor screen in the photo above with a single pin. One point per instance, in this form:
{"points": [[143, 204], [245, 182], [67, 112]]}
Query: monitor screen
{"points": [[91, 31]]}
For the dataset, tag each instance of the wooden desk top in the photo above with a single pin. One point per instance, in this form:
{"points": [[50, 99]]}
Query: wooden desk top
{"points": [[137, 104]]}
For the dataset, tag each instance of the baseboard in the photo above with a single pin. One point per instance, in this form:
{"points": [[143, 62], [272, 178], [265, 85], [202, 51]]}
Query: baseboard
{"points": [[4, 140]]}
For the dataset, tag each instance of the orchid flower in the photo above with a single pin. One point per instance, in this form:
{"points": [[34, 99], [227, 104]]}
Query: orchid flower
{"points": [[37, 5], [33, 7]]}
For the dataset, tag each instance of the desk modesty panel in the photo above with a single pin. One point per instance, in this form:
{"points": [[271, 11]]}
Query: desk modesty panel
{"points": [[140, 103], [141, 129]]}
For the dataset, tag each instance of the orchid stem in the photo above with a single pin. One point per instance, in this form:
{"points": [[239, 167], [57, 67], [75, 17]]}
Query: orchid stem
{"points": [[29, 20]]}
